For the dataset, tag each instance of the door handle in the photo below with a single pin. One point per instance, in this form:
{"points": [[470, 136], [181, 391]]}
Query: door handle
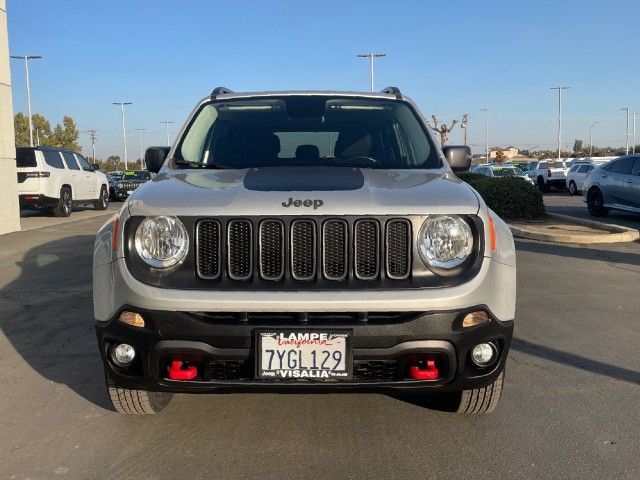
{"points": [[604, 176], [629, 181]]}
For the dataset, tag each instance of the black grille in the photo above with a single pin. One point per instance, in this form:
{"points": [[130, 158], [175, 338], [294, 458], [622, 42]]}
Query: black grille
{"points": [[363, 370], [208, 249], [398, 253], [367, 240], [285, 251], [375, 370], [271, 249], [303, 250], [128, 185], [240, 249], [229, 370], [334, 249]]}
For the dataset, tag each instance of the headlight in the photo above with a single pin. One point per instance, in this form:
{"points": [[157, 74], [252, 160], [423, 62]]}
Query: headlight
{"points": [[161, 241], [445, 241]]}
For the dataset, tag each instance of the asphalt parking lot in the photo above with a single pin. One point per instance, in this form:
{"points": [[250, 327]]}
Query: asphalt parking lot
{"points": [[570, 409], [561, 202]]}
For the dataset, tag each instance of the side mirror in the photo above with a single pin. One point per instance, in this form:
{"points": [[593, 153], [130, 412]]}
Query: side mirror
{"points": [[96, 167], [458, 157], [154, 158]]}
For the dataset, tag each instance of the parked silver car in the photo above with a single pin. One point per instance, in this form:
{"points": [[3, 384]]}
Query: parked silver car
{"points": [[615, 185], [503, 171], [305, 241]]}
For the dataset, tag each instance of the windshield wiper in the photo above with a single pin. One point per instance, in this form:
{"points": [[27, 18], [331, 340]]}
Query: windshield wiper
{"points": [[186, 163]]}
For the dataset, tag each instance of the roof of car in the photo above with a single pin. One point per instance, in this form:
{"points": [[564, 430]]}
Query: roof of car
{"points": [[330, 93]]}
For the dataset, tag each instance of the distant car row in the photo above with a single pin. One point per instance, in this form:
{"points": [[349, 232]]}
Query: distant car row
{"points": [[57, 179]]}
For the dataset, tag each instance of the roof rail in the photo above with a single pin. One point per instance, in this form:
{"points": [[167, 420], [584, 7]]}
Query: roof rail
{"points": [[220, 91], [393, 91]]}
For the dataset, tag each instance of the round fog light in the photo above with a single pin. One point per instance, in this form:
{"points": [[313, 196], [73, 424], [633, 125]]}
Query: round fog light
{"points": [[484, 354], [123, 354]]}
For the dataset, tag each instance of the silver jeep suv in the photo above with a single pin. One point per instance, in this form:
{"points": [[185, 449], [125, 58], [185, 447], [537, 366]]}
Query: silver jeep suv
{"points": [[307, 241]]}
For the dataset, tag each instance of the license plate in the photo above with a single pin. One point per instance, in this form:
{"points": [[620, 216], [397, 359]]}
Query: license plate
{"points": [[304, 354]]}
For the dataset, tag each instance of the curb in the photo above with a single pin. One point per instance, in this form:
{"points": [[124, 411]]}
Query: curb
{"points": [[620, 234]]}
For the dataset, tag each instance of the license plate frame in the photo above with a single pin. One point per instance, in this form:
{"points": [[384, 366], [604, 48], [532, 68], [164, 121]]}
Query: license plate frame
{"points": [[311, 374]]}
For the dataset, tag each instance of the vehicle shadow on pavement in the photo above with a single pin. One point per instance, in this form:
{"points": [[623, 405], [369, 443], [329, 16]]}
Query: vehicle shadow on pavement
{"points": [[576, 361], [47, 316], [605, 254]]}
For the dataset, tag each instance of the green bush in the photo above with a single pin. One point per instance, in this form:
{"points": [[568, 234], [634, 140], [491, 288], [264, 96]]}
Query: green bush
{"points": [[511, 198]]}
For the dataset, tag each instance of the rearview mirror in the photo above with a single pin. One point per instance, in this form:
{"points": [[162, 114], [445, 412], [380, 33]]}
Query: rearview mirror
{"points": [[458, 157], [154, 158]]}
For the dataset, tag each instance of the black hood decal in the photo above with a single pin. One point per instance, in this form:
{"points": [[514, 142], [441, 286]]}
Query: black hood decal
{"points": [[287, 179]]}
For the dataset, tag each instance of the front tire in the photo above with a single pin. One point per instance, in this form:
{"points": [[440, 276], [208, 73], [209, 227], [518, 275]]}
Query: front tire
{"points": [[481, 400], [595, 203], [136, 402], [573, 189], [65, 203], [103, 200]]}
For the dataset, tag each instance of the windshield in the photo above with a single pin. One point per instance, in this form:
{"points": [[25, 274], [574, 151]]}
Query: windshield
{"points": [[140, 175], [556, 164], [26, 157], [307, 131]]}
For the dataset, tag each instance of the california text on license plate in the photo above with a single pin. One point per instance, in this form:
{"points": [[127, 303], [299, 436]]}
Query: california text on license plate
{"points": [[304, 354]]}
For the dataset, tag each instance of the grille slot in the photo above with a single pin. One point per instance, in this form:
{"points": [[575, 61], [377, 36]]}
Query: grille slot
{"points": [[240, 249], [398, 249], [303, 250], [271, 249], [367, 248], [334, 249], [208, 249]]}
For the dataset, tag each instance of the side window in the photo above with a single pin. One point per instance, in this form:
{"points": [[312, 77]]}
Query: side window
{"points": [[70, 160], [573, 168], [636, 167], [52, 158], [583, 168], [543, 165], [83, 163], [622, 165]]}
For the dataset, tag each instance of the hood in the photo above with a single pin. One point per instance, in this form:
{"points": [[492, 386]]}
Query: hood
{"points": [[303, 191]]}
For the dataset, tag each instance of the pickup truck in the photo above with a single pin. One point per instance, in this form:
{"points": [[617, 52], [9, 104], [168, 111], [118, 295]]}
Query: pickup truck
{"points": [[548, 173]]}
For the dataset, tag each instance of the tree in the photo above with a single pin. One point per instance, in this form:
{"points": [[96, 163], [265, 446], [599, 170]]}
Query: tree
{"points": [[21, 126], [67, 134], [577, 146]]}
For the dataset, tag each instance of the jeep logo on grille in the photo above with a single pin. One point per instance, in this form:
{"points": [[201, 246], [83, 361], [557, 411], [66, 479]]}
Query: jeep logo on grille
{"points": [[316, 203]]}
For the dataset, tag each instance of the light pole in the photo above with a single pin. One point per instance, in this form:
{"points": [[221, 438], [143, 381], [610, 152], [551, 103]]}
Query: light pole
{"points": [[124, 131], [94, 136], [465, 125], [626, 132], [633, 147], [140, 130], [591, 137], [371, 56], [26, 59], [559, 88], [486, 132], [166, 125]]}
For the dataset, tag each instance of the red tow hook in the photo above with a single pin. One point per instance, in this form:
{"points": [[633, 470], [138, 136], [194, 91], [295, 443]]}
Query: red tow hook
{"points": [[176, 372], [418, 372]]}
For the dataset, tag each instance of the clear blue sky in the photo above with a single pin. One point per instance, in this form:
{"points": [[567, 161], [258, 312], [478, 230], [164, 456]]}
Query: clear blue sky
{"points": [[450, 57]]}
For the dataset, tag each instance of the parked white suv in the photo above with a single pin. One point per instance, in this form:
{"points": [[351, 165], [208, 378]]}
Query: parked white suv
{"points": [[58, 179]]}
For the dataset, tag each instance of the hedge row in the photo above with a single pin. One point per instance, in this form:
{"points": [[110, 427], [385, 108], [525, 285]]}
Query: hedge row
{"points": [[511, 198]]}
